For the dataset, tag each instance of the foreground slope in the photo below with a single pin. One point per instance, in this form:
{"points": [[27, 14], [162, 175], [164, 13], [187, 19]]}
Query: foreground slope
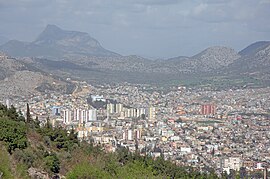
{"points": [[44, 152]]}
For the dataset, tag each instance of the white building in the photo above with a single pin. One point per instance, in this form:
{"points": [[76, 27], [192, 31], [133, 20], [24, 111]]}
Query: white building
{"points": [[118, 108], [67, 116], [152, 114], [92, 115], [232, 163]]}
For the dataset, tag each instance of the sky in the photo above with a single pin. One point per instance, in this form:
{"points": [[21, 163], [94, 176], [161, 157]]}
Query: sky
{"points": [[150, 28]]}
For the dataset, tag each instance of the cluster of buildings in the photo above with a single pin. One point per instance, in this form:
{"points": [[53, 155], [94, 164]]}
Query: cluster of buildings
{"points": [[227, 130]]}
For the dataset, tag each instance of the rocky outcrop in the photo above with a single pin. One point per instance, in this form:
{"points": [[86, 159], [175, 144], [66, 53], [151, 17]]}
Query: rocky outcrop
{"points": [[35, 173]]}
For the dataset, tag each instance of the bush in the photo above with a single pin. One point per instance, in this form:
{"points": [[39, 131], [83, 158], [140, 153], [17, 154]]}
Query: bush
{"points": [[87, 171], [27, 157], [52, 162]]}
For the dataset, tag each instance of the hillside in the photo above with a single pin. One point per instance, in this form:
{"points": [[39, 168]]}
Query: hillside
{"points": [[18, 78], [208, 60], [253, 48], [255, 57], [254, 62], [43, 152]]}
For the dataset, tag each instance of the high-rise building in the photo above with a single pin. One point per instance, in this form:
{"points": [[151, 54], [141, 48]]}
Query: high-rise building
{"points": [[8, 103], [77, 115], [111, 108], [128, 112], [138, 134], [83, 118], [56, 111], [152, 114], [265, 175], [118, 108], [208, 109], [134, 112], [130, 135], [141, 111], [67, 116], [92, 115]]}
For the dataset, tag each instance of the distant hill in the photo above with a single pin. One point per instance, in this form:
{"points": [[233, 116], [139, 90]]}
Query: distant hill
{"points": [[211, 58], [18, 78], [254, 58], [55, 43], [253, 48]]}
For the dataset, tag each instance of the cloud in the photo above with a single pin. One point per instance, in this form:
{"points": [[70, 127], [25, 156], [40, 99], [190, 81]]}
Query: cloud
{"points": [[154, 2], [143, 26], [199, 9]]}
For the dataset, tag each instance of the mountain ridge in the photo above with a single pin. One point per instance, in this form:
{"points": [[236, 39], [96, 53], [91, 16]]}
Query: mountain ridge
{"points": [[54, 42]]}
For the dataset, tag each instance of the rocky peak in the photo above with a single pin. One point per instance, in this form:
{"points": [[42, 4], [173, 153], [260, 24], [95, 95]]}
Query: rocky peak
{"points": [[55, 42], [53, 35]]}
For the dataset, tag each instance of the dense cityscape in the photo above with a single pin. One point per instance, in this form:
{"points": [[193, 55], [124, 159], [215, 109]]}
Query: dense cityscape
{"points": [[133, 89], [226, 130]]}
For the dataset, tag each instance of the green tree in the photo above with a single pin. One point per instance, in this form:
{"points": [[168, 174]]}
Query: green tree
{"points": [[52, 162], [48, 124], [13, 134], [28, 115], [12, 114]]}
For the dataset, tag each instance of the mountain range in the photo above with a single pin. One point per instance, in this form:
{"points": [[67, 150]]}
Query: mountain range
{"points": [[78, 55]]}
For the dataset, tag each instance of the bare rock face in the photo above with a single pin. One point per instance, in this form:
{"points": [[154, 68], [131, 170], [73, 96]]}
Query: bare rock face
{"points": [[19, 79], [35, 173]]}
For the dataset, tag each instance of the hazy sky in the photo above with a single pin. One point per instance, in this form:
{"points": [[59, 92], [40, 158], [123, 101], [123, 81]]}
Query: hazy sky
{"points": [[151, 28]]}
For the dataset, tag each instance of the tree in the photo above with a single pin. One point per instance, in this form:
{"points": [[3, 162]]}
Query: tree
{"points": [[52, 162], [12, 114], [21, 117], [73, 136], [48, 125], [232, 174], [36, 122], [28, 115], [243, 173], [213, 152], [143, 116], [13, 133]]}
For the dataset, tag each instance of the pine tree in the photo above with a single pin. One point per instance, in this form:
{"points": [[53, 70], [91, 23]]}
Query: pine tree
{"points": [[48, 125], [37, 122], [28, 115]]}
